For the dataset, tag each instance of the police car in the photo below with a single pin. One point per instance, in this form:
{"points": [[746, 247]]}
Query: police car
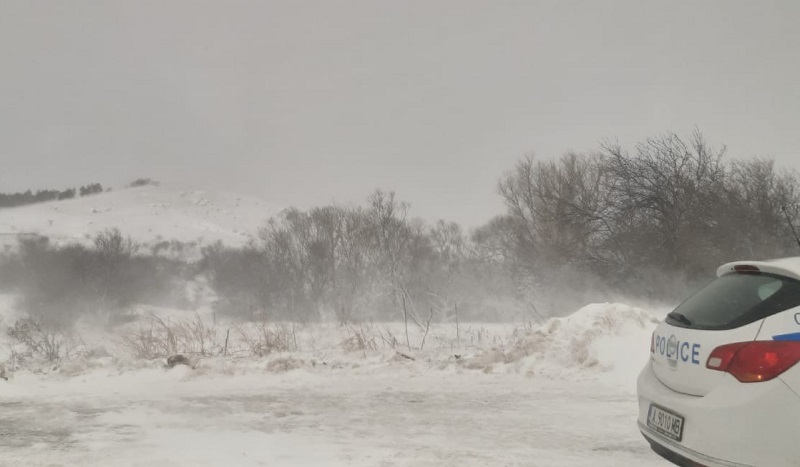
{"points": [[722, 386]]}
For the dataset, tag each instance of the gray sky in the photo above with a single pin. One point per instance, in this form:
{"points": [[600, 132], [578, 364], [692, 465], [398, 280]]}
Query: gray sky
{"points": [[306, 103]]}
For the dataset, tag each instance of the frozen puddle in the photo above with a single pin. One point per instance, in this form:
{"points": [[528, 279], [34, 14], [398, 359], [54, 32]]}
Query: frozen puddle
{"points": [[389, 418]]}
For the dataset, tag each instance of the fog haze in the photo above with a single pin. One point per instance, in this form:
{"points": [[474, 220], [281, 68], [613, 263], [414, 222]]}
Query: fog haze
{"points": [[305, 103]]}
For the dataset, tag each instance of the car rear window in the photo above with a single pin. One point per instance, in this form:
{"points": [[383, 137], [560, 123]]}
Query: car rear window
{"points": [[737, 299]]}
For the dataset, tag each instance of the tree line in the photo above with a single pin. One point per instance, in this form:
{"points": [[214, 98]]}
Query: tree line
{"points": [[652, 222], [57, 284], [352, 263], [10, 200], [649, 222], [646, 221]]}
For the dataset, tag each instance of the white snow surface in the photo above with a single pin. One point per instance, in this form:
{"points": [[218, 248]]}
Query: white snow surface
{"points": [[559, 394], [148, 214]]}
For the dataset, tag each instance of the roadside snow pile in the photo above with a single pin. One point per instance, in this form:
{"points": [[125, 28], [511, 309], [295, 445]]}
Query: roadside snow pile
{"points": [[611, 338], [599, 341]]}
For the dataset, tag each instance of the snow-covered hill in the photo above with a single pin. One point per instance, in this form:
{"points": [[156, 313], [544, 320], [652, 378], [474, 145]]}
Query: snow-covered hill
{"points": [[148, 214]]}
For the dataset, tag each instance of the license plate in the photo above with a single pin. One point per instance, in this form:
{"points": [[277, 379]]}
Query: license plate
{"points": [[665, 422]]}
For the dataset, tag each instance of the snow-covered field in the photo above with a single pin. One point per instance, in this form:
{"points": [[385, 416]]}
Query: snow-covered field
{"points": [[560, 394]]}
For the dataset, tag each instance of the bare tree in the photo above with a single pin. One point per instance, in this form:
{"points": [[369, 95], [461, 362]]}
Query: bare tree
{"points": [[664, 192]]}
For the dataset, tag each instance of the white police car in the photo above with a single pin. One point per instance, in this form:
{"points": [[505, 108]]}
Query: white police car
{"points": [[722, 387]]}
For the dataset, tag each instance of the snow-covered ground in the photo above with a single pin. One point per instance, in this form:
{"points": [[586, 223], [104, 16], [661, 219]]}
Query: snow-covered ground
{"points": [[148, 214], [402, 417], [561, 394]]}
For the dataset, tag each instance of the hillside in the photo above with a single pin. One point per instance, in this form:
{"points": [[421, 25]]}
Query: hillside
{"points": [[148, 214]]}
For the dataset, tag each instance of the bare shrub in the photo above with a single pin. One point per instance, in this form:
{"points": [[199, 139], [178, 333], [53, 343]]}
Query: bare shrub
{"points": [[160, 338], [389, 339], [359, 340], [34, 341], [261, 339], [198, 337], [149, 342]]}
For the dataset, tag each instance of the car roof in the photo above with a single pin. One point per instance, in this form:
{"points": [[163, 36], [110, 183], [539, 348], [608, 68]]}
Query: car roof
{"points": [[789, 267]]}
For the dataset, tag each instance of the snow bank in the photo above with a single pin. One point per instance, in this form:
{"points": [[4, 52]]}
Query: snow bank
{"points": [[607, 338], [607, 341]]}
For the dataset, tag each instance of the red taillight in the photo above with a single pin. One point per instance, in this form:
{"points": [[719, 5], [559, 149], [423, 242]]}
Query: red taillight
{"points": [[721, 357], [756, 361]]}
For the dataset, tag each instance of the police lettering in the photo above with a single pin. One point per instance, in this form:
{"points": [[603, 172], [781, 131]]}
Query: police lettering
{"points": [[685, 351]]}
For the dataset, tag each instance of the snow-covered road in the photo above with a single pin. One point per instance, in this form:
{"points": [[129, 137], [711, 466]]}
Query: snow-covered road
{"points": [[349, 417]]}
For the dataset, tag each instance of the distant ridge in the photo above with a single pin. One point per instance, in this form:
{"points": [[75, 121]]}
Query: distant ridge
{"points": [[149, 214]]}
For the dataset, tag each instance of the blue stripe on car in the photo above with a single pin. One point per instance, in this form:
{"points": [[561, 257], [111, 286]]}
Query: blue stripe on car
{"points": [[795, 336]]}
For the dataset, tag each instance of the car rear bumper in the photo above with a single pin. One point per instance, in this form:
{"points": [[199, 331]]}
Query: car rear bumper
{"points": [[680, 455], [735, 425]]}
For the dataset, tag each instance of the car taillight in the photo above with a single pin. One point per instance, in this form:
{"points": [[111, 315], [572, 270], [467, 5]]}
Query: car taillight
{"points": [[756, 361]]}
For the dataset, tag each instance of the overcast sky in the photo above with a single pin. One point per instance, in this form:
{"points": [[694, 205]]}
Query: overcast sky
{"points": [[305, 103]]}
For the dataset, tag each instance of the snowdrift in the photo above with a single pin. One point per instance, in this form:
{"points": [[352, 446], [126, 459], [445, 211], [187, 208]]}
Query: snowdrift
{"points": [[607, 342], [602, 338]]}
